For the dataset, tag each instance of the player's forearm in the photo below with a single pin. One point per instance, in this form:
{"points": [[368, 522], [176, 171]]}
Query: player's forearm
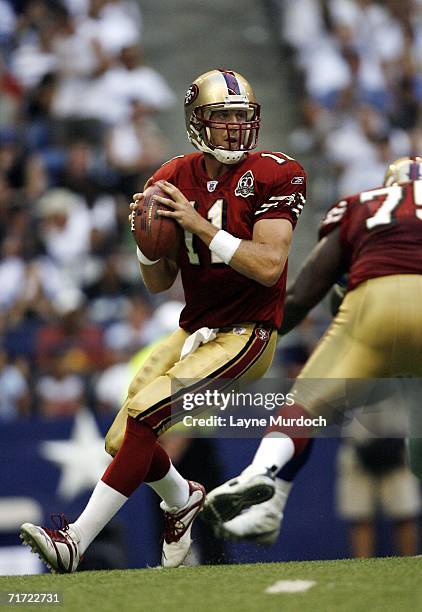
{"points": [[159, 276], [294, 314], [321, 269], [308, 289], [259, 262], [255, 260]]}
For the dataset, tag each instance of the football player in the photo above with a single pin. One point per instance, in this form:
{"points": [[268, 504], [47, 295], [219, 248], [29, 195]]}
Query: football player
{"points": [[237, 209], [376, 237]]}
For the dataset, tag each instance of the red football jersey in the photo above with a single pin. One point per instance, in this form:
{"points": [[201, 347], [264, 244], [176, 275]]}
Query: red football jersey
{"points": [[380, 231], [264, 185]]}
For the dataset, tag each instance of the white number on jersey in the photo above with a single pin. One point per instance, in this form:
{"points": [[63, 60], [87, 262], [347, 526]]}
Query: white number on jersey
{"points": [[394, 197], [276, 158], [335, 214], [214, 216]]}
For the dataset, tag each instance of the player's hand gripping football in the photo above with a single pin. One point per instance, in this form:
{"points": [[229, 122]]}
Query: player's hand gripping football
{"points": [[137, 197], [181, 211]]}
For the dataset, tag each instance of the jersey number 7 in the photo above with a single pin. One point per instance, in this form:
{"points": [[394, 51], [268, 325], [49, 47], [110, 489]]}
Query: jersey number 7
{"points": [[393, 199]]}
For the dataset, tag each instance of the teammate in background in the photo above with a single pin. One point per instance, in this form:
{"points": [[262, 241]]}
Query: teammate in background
{"points": [[376, 237], [238, 210]]}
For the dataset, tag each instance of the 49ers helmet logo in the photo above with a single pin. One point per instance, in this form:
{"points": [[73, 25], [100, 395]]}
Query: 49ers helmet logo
{"points": [[245, 186], [191, 94]]}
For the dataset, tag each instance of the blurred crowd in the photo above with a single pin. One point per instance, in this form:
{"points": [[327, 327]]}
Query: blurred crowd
{"points": [[357, 72], [360, 84], [78, 135]]}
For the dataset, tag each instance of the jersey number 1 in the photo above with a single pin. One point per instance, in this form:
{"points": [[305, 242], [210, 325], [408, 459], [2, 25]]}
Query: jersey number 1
{"points": [[216, 216]]}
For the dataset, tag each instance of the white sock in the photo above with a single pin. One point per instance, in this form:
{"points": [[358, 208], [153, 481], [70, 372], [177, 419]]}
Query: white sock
{"points": [[173, 488], [102, 506], [273, 453]]}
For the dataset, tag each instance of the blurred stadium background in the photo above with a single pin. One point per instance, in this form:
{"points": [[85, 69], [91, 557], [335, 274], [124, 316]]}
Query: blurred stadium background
{"points": [[90, 104]]}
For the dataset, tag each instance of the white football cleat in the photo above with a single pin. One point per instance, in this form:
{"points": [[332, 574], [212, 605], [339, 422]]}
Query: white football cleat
{"points": [[237, 494], [249, 506], [57, 548], [260, 523], [178, 525]]}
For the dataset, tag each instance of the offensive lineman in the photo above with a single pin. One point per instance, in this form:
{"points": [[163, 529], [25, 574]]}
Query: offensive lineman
{"points": [[237, 210], [376, 237]]}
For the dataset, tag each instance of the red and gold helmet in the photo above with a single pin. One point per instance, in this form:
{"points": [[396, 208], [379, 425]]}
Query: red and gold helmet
{"points": [[222, 90], [403, 170]]}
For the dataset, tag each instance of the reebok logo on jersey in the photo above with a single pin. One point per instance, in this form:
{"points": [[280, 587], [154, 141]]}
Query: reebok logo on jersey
{"points": [[212, 185], [298, 180], [245, 186]]}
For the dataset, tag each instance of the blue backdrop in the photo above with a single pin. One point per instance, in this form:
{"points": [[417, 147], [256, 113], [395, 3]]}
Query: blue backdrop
{"points": [[28, 468]]}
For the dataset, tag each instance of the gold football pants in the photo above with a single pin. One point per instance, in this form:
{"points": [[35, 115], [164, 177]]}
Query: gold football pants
{"points": [[377, 333], [244, 351]]}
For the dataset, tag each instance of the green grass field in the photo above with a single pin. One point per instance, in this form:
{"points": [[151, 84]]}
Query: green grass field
{"points": [[347, 585]]}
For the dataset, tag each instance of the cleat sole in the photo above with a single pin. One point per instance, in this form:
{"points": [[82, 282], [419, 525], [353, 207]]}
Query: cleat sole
{"points": [[226, 506]]}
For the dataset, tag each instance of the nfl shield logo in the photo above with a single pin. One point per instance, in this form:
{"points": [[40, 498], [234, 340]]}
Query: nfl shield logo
{"points": [[245, 186], [211, 185], [238, 331]]}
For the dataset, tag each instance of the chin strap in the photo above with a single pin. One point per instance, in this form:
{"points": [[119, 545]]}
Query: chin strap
{"points": [[221, 155]]}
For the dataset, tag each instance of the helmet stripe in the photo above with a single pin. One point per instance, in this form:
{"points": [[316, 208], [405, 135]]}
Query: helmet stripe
{"points": [[231, 82]]}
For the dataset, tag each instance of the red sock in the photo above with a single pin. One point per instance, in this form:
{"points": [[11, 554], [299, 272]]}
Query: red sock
{"points": [[300, 445], [299, 434], [131, 464], [160, 464]]}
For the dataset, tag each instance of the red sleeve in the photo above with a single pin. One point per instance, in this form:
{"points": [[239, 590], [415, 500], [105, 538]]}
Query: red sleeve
{"points": [[167, 171], [333, 218], [284, 194]]}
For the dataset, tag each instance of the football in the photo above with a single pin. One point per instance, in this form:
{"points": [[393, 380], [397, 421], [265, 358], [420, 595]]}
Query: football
{"points": [[156, 236]]}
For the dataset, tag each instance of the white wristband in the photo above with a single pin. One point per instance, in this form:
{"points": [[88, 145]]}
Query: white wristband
{"points": [[224, 245], [144, 260]]}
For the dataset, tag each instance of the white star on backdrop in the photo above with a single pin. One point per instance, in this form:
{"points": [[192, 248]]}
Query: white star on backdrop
{"points": [[82, 457]]}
